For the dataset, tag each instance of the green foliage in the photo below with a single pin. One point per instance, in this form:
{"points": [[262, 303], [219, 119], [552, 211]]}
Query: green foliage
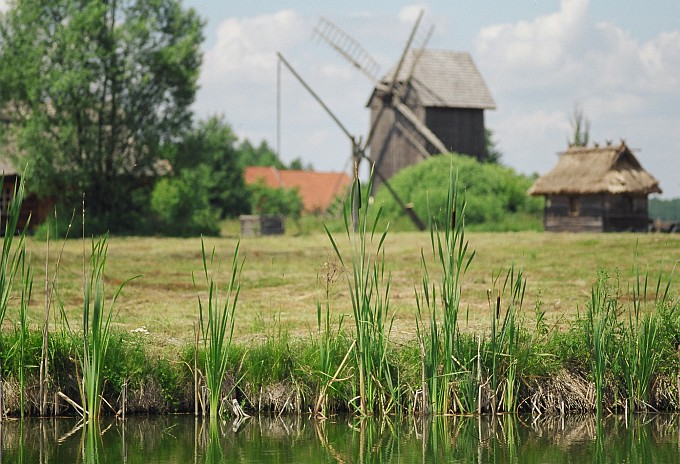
{"points": [[368, 283], [262, 155], [441, 296], [93, 113], [96, 329], [181, 204], [269, 200], [494, 194], [210, 147], [216, 320], [580, 126], [665, 210], [493, 155]]}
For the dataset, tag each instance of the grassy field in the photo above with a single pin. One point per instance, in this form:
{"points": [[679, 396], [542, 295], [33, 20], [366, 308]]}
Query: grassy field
{"points": [[284, 277]]}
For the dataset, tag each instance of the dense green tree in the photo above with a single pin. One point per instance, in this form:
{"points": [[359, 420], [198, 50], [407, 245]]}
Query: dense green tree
{"points": [[181, 207], [212, 144], [262, 155], [493, 155], [665, 210], [95, 90]]}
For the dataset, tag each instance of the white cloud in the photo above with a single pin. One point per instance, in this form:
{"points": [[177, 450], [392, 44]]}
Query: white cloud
{"points": [[531, 46], [246, 48], [409, 14], [539, 69]]}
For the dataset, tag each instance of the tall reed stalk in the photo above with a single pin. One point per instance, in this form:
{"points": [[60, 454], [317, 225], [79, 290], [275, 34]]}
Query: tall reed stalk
{"points": [[505, 341], [96, 328], [601, 320], [216, 322], [641, 354], [441, 298], [26, 290], [13, 251], [328, 340], [369, 287]]}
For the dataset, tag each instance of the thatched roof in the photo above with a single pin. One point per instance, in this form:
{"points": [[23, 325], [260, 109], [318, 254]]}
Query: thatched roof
{"points": [[445, 78], [592, 170]]}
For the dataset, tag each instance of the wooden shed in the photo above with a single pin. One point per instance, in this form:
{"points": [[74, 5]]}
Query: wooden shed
{"points": [[446, 93], [596, 189], [35, 208]]}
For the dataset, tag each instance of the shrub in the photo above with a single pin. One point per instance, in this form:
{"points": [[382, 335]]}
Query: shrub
{"points": [[181, 205], [270, 200], [494, 193]]}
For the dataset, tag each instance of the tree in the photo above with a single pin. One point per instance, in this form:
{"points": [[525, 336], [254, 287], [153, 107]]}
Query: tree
{"points": [[212, 144], [262, 155], [493, 155], [580, 126], [96, 90]]}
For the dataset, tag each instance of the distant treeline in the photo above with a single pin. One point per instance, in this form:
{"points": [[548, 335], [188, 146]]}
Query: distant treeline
{"points": [[664, 210]]}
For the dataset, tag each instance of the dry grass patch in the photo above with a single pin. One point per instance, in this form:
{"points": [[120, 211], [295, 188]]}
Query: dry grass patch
{"points": [[279, 280]]}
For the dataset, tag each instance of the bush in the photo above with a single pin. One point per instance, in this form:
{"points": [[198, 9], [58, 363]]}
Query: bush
{"points": [[269, 200], [496, 195], [181, 205]]}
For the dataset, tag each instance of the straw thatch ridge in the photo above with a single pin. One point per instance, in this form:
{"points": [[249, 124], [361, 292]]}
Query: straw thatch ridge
{"points": [[596, 170]]}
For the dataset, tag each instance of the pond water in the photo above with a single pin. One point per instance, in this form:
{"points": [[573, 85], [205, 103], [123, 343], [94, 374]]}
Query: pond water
{"points": [[503, 439]]}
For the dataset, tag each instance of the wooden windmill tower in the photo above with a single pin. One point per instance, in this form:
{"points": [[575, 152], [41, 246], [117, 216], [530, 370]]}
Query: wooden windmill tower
{"points": [[430, 102]]}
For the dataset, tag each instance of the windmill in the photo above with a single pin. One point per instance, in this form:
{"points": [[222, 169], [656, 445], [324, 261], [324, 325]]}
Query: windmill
{"points": [[390, 93], [430, 102]]}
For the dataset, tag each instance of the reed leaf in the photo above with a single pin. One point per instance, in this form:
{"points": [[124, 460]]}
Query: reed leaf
{"points": [[369, 287], [216, 321], [96, 328]]}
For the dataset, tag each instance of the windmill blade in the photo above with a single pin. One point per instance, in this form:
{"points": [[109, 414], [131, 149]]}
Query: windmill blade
{"points": [[389, 89], [348, 47], [408, 209], [412, 139], [425, 131], [416, 57], [317, 98], [395, 75]]}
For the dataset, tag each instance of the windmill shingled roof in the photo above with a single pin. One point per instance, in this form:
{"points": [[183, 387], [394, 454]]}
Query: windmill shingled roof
{"points": [[446, 78]]}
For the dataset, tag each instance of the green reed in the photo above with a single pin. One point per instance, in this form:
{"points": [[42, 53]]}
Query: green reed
{"points": [[96, 330], [369, 287], [640, 353], [216, 321], [600, 328], [505, 341], [328, 339], [441, 360], [12, 262]]}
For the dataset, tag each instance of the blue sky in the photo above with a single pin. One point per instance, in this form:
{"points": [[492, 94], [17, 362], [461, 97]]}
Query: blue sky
{"points": [[617, 60]]}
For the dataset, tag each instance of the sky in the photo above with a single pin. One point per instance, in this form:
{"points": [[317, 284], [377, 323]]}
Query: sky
{"points": [[618, 61]]}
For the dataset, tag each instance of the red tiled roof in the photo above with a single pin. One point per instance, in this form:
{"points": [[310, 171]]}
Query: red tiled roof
{"points": [[317, 189]]}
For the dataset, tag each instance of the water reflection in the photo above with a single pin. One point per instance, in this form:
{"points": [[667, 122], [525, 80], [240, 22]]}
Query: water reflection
{"points": [[500, 439]]}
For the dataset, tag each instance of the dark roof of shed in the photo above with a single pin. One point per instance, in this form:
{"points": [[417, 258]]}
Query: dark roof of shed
{"points": [[592, 170], [445, 78]]}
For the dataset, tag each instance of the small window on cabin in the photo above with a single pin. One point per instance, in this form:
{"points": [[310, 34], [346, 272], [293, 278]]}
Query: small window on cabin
{"points": [[574, 206]]}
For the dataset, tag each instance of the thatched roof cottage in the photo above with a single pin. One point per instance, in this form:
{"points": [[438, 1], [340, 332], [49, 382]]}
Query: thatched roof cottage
{"points": [[596, 189]]}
